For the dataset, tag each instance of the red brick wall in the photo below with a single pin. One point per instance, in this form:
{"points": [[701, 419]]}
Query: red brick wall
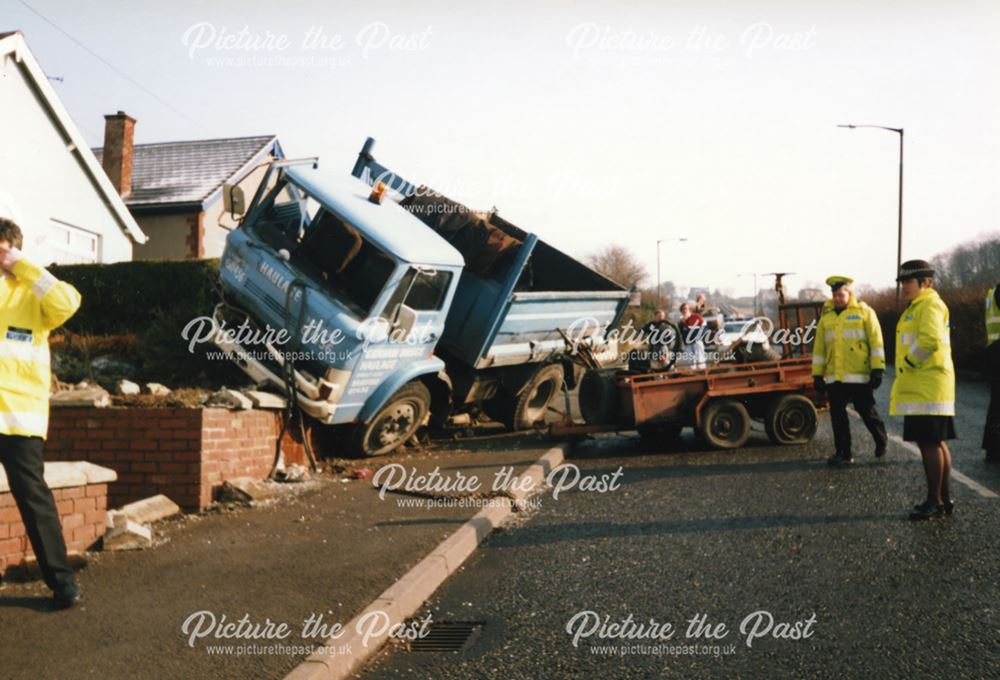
{"points": [[184, 453], [82, 513]]}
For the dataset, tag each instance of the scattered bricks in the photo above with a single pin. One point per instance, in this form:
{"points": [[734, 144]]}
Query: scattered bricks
{"points": [[127, 387], [150, 509], [97, 397], [157, 389], [125, 534], [265, 400], [245, 490], [227, 398]]}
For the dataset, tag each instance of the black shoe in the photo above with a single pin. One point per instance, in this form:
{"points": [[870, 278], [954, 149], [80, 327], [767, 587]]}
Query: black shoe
{"points": [[839, 459], [880, 451], [66, 598], [926, 510], [948, 505]]}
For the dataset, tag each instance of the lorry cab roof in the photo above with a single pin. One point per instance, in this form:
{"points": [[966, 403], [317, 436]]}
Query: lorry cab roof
{"points": [[387, 224]]}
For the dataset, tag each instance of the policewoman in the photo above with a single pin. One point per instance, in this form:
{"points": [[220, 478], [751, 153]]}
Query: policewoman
{"points": [[848, 363], [924, 389], [32, 303]]}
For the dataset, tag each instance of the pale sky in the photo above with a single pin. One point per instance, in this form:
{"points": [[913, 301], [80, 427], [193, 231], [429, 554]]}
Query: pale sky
{"points": [[591, 123]]}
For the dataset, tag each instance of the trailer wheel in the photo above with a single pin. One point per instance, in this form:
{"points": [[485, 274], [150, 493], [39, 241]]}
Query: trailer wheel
{"points": [[790, 419], [395, 422], [725, 424], [598, 396], [531, 404]]}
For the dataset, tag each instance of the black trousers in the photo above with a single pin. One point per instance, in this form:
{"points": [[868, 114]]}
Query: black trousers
{"points": [[863, 398], [22, 459], [991, 432]]}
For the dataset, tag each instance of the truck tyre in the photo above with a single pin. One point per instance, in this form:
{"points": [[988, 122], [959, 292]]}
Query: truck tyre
{"points": [[531, 404], [598, 397], [395, 422], [790, 419], [725, 424]]}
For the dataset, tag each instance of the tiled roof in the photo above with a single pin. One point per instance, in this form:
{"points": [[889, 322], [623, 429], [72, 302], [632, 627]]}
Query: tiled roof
{"points": [[170, 173]]}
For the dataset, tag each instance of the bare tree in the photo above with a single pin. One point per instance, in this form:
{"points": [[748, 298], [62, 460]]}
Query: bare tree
{"points": [[618, 264]]}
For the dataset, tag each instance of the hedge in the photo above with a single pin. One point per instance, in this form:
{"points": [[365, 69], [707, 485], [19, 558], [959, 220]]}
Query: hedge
{"points": [[153, 300]]}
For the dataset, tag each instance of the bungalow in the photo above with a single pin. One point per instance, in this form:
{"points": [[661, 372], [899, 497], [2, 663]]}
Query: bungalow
{"points": [[50, 182], [174, 189]]}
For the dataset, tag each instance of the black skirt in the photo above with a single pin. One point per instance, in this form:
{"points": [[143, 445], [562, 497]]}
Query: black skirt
{"points": [[928, 429]]}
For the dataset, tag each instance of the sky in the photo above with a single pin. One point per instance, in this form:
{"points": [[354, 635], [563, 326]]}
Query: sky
{"points": [[589, 123]]}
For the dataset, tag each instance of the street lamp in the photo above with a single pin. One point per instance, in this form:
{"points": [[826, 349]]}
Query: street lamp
{"points": [[899, 240], [659, 286], [754, 275]]}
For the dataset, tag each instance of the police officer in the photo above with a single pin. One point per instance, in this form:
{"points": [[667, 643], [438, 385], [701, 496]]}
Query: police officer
{"points": [[32, 303], [991, 433], [848, 363], [924, 389]]}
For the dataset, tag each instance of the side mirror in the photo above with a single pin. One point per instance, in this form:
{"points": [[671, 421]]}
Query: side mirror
{"points": [[233, 200], [406, 319]]}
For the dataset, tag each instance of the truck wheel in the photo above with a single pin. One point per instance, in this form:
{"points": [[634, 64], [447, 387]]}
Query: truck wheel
{"points": [[790, 419], [395, 422], [532, 403], [598, 397], [725, 424]]}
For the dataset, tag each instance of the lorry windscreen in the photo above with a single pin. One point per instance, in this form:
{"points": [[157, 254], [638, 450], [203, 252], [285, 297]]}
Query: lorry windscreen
{"points": [[330, 252]]}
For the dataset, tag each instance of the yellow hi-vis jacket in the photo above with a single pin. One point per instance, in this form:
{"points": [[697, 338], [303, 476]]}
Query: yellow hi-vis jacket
{"points": [[992, 318], [848, 345], [925, 374], [33, 303]]}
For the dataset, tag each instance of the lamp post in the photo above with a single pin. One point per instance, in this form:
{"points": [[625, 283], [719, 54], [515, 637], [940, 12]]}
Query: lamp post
{"points": [[659, 291], [899, 239], [754, 275]]}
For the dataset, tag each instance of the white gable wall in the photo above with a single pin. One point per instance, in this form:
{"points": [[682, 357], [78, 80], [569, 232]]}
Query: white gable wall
{"points": [[43, 185]]}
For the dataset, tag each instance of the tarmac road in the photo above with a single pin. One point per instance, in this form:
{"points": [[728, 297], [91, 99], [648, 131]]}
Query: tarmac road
{"points": [[726, 534]]}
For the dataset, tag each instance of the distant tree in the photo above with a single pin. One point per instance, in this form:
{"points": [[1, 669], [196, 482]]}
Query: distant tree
{"points": [[974, 263], [618, 264]]}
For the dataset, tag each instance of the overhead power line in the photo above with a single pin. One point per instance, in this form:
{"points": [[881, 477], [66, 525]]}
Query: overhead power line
{"points": [[117, 70]]}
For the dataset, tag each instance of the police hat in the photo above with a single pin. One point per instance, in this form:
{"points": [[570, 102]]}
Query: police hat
{"points": [[915, 269], [836, 282]]}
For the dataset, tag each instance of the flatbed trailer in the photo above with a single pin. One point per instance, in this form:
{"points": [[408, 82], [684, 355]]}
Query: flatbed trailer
{"points": [[718, 402]]}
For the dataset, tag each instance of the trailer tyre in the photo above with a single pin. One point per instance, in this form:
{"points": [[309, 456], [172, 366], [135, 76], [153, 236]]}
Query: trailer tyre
{"points": [[531, 404], [395, 422], [598, 397], [790, 419], [725, 424]]}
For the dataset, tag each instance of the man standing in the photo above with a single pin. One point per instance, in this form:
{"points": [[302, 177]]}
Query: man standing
{"points": [[991, 433], [849, 362], [32, 303]]}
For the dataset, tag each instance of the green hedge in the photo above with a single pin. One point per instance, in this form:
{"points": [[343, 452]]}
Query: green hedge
{"points": [[127, 297], [153, 300]]}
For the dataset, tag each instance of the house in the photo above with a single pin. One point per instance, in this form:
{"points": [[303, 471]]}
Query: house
{"points": [[174, 189], [51, 184]]}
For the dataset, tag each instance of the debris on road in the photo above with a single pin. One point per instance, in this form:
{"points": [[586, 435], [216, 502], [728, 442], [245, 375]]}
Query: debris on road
{"points": [[245, 490], [124, 534], [150, 510], [292, 473]]}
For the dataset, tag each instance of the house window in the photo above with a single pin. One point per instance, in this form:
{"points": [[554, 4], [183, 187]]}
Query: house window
{"points": [[70, 244]]}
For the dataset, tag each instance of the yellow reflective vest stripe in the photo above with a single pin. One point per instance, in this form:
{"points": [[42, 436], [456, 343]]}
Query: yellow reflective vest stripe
{"points": [[848, 345], [925, 374], [33, 303], [992, 318]]}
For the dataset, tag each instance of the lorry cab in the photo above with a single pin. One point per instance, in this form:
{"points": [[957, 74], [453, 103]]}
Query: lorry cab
{"points": [[358, 286]]}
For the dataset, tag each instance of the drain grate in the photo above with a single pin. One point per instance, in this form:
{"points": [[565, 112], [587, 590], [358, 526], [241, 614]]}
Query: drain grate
{"points": [[447, 636]]}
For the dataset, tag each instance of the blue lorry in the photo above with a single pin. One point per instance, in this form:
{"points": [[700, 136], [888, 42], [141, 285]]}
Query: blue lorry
{"points": [[379, 305]]}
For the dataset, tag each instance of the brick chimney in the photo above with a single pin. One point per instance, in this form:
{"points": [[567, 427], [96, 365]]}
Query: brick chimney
{"points": [[119, 129]]}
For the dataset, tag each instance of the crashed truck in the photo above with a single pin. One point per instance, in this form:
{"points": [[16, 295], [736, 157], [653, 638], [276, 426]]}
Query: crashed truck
{"points": [[401, 306]]}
